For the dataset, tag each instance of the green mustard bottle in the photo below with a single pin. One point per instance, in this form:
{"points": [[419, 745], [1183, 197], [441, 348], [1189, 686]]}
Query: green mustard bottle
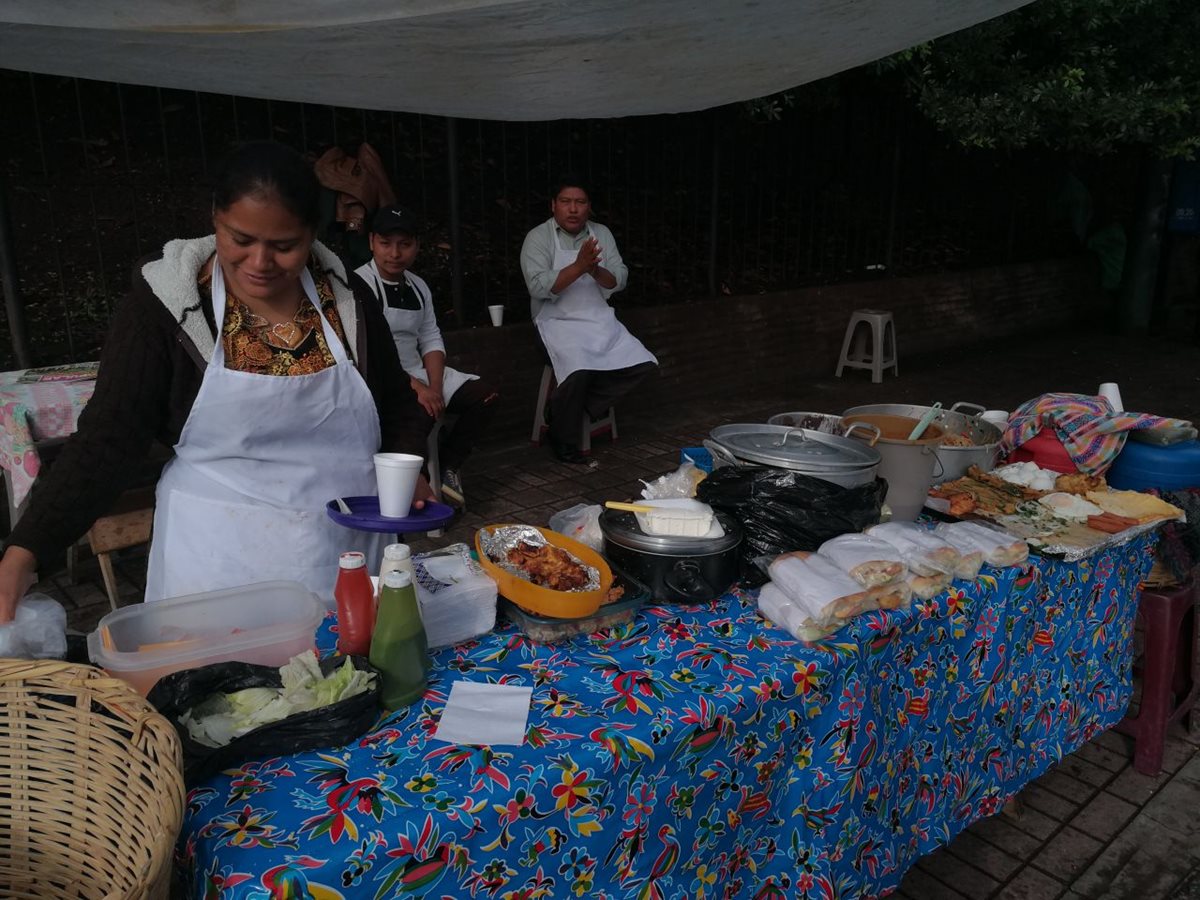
{"points": [[399, 648]]}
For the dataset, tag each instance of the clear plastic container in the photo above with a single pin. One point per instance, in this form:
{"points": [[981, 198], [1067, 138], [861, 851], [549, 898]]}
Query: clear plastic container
{"points": [[266, 624], [548, 630]]}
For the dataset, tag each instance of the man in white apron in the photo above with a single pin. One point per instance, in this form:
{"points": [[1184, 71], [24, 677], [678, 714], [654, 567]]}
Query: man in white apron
{"points": [[571, 268], [408, 308]]}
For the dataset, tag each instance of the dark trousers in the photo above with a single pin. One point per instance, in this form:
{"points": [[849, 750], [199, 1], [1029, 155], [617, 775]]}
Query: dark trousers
{"points": [[592, 393], [475, 405]]}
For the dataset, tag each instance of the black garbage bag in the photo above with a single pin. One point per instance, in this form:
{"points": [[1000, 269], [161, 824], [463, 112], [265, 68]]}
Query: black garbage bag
{"points": [[781, 510], [327, 726]]}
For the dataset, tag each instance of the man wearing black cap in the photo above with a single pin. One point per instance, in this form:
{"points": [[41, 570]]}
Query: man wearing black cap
{"points": [[408, 309]]}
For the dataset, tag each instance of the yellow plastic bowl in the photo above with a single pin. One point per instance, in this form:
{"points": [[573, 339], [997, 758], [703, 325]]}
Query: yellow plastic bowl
{"points": [[543, 601]]}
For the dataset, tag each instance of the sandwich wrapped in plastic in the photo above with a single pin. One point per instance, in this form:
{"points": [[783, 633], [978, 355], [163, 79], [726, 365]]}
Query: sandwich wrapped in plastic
{"points": [[826, 596], [869, 561], [924, 552], [926, 586], [779, 608], [998, 548], [822, 591]]}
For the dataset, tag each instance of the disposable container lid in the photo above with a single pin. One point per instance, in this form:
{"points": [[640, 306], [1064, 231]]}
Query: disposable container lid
{"points": [[622, 529], [795, 448], [397, 551], [226, 624]]}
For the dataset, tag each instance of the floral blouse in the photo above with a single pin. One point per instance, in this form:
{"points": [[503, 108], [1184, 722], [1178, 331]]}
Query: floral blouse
{"points": [[249, 346]]}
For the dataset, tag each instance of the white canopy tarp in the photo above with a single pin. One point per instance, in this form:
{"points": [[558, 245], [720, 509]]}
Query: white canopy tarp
{"points": [[486, 59]]}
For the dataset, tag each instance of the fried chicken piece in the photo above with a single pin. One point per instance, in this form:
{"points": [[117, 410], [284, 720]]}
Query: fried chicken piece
{"points": [[1079, 483], [548, 566]]}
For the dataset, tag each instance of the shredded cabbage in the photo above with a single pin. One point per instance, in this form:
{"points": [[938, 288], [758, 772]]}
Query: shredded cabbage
{"points": [[217, 720]]}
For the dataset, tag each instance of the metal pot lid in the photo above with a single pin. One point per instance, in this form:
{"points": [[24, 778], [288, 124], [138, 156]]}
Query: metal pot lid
{"points": [[623, 530], [795, 448]]}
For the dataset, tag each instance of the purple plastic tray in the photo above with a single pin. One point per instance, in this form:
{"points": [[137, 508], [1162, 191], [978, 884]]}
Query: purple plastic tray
{"points": [[364, 516]]}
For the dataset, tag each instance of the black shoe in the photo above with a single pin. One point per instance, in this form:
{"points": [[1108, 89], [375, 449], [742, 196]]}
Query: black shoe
{"points": [[573, 456], [452, 489]]}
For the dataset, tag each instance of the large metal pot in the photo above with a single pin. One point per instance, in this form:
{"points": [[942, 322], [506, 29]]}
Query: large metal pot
{"points": [[675, 569], [962, 420], [836, 459]]}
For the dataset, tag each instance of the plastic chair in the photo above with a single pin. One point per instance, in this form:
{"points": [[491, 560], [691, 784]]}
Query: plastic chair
{"points": [[591, 427], [1169, 685], [883, 353]]}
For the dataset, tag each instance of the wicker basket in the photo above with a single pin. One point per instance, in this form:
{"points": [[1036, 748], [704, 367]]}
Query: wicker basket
{"points": [[91, 795]]}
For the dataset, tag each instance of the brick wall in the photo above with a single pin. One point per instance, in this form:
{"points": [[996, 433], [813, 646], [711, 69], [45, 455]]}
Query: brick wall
{"points": [[718, 348]]}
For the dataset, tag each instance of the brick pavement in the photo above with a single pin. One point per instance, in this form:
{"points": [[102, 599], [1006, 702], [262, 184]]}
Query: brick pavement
{"points": [[1089, 828]]}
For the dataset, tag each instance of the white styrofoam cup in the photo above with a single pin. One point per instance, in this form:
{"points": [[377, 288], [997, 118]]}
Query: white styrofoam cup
{"points": [[396, 475]]}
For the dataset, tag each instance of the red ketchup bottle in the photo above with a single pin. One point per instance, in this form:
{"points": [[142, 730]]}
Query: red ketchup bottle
{"points": [[355, 605]]}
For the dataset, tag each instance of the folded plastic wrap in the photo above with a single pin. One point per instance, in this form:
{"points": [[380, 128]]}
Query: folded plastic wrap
{"points": [[869, 561], [998, 547]]}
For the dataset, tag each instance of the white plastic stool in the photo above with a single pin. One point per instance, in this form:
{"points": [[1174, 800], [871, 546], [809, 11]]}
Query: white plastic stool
{"points": [[882, 334], [591, 427]]}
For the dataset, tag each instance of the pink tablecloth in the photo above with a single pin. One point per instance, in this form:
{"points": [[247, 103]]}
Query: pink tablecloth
{"points": [[32, 411]]}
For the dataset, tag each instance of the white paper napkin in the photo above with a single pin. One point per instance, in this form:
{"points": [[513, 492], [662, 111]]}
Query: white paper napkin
{"points": [[479, 713]]}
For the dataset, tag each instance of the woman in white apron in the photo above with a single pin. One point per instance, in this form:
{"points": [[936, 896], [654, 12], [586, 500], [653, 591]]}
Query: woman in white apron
{"points": [[595, 358], [267, 411]]}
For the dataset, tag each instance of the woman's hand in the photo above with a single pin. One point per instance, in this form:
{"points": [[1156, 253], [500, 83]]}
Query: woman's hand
{"points": [[429, 398], [422, 493], [16, 577]]}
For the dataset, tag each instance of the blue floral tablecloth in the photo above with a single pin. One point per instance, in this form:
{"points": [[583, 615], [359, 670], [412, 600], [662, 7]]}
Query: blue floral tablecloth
{"points": [[696, 753]]}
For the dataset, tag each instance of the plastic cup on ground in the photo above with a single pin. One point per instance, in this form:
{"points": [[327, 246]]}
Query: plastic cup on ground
{"points": [[496, 311], [1110, 392], [396, 475]]}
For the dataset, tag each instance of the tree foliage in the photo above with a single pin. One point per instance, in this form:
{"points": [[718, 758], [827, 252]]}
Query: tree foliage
{"points": [[1087, 76]]}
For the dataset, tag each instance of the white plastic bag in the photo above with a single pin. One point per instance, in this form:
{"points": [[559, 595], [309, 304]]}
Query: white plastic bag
{"points": [[581, 522], [456, 597], [38, 630], [680, 483]]}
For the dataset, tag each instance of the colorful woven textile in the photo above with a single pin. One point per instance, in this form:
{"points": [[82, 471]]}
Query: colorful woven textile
{"points": [[697, 752], [1087, 426]]}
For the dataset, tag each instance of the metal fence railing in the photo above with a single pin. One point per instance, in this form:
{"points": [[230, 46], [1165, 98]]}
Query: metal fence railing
{"points": [[855, 186]]}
